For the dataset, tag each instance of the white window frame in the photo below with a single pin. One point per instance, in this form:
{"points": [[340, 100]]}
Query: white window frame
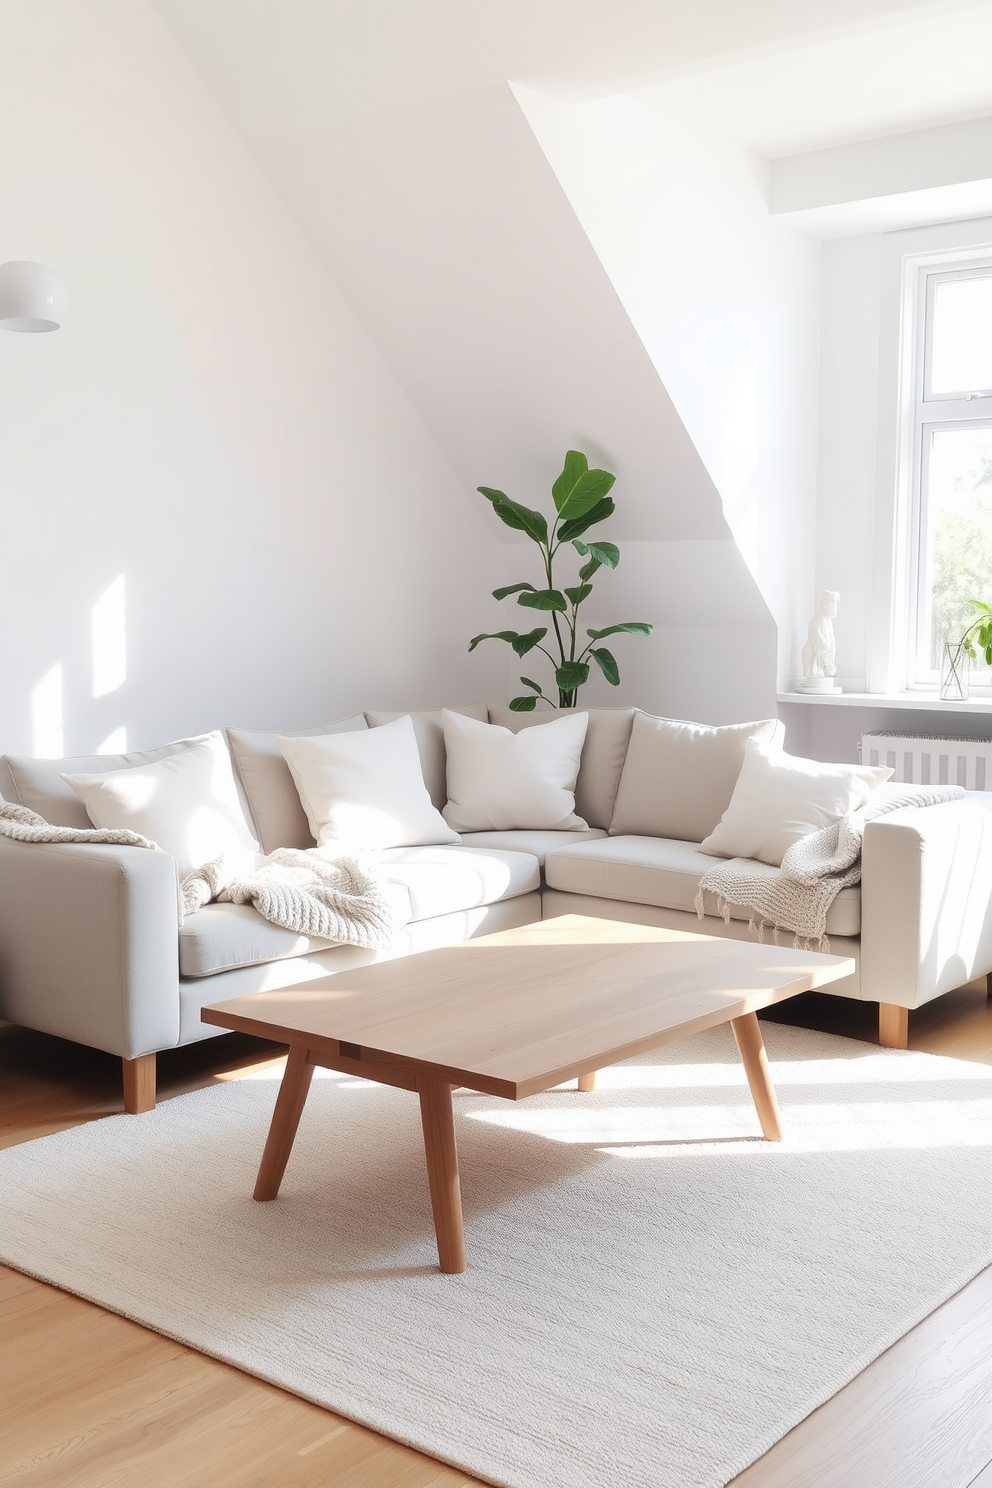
{"points": [[932, 412], [911, 260]]}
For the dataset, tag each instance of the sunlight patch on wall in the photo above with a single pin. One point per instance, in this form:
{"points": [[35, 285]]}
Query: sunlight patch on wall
{"points": [[109, 640], [47, 715], [740, 440], [115, 743]]}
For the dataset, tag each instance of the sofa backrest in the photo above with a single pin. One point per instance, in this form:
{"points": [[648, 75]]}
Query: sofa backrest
{"points": [[430, 741], [602, 759], [38, 783], [268, 787]]}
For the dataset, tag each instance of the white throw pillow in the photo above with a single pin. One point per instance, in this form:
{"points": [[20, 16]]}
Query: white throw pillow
{"points": [[187, 803], [365, 790], [779, 798], [499, 781]]}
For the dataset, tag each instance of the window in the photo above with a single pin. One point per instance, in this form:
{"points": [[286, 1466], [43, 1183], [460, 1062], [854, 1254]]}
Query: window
{"points": [[950, 442]]}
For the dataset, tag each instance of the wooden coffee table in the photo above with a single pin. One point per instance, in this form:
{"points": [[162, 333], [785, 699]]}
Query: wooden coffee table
{"points": [[513, 1014]]}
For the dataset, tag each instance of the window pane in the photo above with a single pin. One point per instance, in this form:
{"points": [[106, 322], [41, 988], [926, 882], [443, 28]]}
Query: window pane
{"points": [[962, 336], [959, 531]]}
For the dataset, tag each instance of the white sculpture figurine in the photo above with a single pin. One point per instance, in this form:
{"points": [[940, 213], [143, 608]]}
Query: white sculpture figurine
{"points": [[819, 652]]}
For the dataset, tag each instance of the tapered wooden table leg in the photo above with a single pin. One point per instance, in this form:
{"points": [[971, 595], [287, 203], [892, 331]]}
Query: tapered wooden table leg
{"points": [[588, 1080], [755, 1062], [285, 1120], [442, 1173]]}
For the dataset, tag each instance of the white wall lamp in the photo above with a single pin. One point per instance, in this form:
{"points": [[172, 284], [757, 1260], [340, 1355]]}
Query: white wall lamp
{"points": [[32, 297]]}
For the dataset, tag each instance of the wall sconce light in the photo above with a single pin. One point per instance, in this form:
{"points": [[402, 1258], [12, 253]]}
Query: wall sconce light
{"points": [[32, 297]]}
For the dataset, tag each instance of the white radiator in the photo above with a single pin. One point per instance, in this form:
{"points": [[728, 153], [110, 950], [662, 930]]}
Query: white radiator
{"points": [[927, 759]]}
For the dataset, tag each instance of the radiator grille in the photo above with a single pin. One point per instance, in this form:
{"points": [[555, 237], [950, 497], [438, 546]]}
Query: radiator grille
{"points": [[929, 759]]}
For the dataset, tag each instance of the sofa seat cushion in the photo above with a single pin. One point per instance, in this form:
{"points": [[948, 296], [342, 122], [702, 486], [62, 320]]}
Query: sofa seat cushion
{"points": [[664, 871], [537, 843], [222, 937], [443, 880]]}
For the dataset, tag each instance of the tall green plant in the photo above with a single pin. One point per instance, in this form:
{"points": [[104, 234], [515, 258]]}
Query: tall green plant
{"points": [[582, 500]]}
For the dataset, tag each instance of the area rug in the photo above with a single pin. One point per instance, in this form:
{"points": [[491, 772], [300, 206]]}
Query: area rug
{"points": [[655, 1295]]}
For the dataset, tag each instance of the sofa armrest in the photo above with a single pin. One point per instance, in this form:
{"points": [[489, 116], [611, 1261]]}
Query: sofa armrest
{"points": [[89, 945], [926, 895]]}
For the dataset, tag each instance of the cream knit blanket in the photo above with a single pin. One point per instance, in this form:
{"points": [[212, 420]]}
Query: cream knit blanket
{"points": [[306, 890], [310, 892], [797, 896]]}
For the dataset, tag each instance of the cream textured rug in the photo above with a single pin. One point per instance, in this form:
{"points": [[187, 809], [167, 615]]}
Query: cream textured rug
{"points": [[654, 1294]]}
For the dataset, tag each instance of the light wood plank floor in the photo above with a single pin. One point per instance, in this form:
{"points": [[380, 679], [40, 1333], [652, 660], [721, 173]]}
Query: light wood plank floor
{"points": [[91, 1400]]}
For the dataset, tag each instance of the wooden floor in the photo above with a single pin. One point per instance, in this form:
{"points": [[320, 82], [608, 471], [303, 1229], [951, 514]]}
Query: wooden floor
{"points": [[90, 1400]]}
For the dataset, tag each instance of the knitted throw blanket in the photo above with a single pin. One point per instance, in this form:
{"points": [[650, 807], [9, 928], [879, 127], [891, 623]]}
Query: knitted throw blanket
{"points": [[306, 890], [309, 891], [24, 825], [797, 896]]}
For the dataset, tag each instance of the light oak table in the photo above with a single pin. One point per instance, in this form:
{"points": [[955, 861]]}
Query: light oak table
{"points": [[513, 1014]]}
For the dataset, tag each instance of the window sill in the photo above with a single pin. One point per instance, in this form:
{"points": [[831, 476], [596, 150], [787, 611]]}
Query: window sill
{"points": [[917, 702]]}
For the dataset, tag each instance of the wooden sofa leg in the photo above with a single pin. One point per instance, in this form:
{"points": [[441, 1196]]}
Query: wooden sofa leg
{"points": [[893, 1026], [139, 1084]]}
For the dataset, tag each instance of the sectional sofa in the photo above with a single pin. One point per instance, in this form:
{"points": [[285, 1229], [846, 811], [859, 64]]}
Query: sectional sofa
{"points": [[90, 948]]}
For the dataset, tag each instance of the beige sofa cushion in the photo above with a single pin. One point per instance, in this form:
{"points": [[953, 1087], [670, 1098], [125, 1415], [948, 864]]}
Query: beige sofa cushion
{"points": [[187, 803], [780, 799], [603, 751], [268, 786], [443, 880], [664, 872], [366, 790], [501, 781], [430, 741], [38, 783], [678, 777], [222, 937], [422, 884]]}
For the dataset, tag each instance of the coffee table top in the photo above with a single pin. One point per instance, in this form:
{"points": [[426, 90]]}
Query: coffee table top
{"points": [[522, 1010]]}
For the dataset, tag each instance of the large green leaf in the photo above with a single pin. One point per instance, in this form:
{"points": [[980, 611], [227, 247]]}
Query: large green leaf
{"points": [[571, 674], [630, 627], [543, 599], [579, 594], [587, 491], [525, 643], [510, 589], [605, 553], [523, 704], [520, 518], [495, 635], [575, 528], [607, 665], [576, 466], [535, 686], [523, 519]]}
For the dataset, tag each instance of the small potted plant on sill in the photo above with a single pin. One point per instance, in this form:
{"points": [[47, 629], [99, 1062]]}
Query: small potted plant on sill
{"points": [[582, 500], [974, 644]]}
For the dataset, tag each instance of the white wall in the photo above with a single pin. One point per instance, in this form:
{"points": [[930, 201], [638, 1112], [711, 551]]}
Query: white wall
{"points": [[726, 302], [212, 422]]}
